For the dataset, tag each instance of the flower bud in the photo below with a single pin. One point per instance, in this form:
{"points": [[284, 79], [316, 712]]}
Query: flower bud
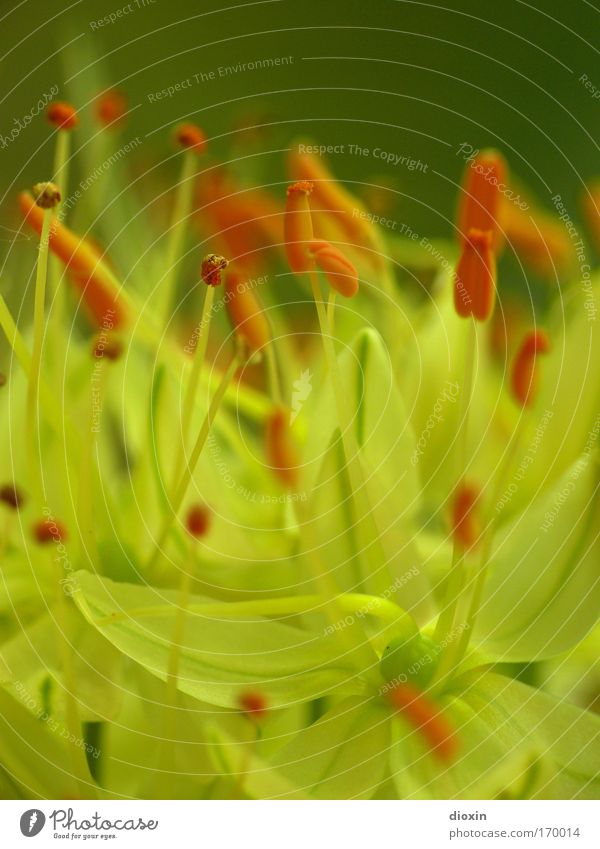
{"points": [[46, 195], [212, 266]]}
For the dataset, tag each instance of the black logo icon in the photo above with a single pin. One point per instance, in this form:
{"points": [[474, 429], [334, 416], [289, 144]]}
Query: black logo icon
{"points": [[32, 822]]}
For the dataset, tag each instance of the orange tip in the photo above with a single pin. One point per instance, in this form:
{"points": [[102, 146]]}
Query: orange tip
{"points": [[298, 226], [481, 197], [340, 272], [475, 277], [426, 717], [464, 519], [245, 312], [524, 377], [190, 137], [62, 115]]}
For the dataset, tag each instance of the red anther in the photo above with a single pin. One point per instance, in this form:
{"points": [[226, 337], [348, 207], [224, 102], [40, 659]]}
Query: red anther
{"points": [[190, 137], [427, 718], [340, 272], [253, 704], [464, 519], [62, 115], [475, 277], [197, 520], [245, 312], [111, 107], [298, 226], [281, 449], [524, 378], [212, 266], [12, 496], [49, 530], [482, 196]]}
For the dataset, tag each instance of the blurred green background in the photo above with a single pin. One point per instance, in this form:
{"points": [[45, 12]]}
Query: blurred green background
{"points": [[412, 78]]}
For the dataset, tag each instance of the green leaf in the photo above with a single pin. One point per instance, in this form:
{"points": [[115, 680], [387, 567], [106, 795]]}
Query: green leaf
{"points": [[543, 592], [341, 756], [221, 656]]}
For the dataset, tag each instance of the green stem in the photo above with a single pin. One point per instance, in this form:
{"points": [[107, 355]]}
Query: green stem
{"points": [[350, 448], [457, 570], [456, 656], [190, 467], [31, 416], [57, 291], [194, 379], [274, 382], [181, 212]]}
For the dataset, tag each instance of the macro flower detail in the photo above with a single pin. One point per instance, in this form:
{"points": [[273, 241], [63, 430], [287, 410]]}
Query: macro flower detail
{"points": [[320, 537], [62, 115]]}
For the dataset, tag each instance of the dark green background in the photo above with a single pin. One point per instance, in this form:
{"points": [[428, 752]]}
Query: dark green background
{"points": [[418, 74]]}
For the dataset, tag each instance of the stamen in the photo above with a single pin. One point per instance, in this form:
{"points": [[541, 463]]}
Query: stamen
{"points": [[99, 289], [281, 449], [197, 521], [12, 496], [464, 519], [253, 704], [245, 313], [475, 276], [111, 108], [49, 530], [426, 718], [190, 137], [524, 379], [340, 272], [62, 115], [46, 195], [482, 197], [212, 266], [298, 227]]}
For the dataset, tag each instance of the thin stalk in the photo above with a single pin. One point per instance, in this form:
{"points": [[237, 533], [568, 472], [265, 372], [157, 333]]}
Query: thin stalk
{"points": [[181, 212], [190, 467], [194, 379], [455, 657], [31, 416], [57, 291], [273, 372], [331, 310], [457, 570], [359, 516], [72, 718]]}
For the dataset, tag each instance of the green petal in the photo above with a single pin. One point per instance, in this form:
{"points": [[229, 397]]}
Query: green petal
{"points": [[341, 756], [543, 591], [221, 656]]}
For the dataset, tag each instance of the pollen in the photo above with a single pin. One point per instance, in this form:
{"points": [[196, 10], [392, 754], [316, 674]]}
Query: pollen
{"points": [[524, 377], [212, 267], [426, 717], [46, 195]]}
